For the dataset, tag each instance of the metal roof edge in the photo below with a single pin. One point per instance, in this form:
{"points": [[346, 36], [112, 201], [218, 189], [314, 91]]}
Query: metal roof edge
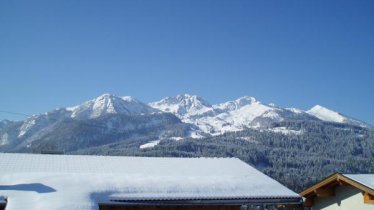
{"points": [[195, 202]]}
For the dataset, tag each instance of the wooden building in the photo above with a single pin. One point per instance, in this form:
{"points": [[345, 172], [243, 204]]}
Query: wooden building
{"points": [[76, 182], [341, 192]]}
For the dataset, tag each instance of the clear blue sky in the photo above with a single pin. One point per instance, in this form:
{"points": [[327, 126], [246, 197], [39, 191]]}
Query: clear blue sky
{"points": [[293, 53]]}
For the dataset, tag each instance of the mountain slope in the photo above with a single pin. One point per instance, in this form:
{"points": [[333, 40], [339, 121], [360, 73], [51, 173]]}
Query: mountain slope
{"points": [[109, 104], [326, 114], [184, 106], [18, 136], [242, 113], [213, 119], [72, 134], [197, 117]]}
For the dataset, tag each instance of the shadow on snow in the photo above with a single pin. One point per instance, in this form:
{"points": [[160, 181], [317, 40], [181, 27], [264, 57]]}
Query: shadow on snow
{"points": [[36, 187]]}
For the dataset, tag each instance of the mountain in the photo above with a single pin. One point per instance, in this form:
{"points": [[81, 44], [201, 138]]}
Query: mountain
{"points": [[199, 116], [109, 104], [71, 134], [196, 118], [213, 119], [107, 118], [326, 114], [100, 106], [242, 113], [237, 104], [185, 106]]}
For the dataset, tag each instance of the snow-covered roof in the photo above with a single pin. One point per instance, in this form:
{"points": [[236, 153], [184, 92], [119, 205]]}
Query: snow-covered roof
{"points": [[363, 182], [364, 179], [32, 181]]}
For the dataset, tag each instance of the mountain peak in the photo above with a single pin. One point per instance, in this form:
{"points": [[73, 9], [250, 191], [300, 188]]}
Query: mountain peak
{"points": [[183, 104], [326, 114], [191, 98], [318, 107], [109, 104], [105, 95], [129, 99], [237, 104], [184, 99], [185, 95], [244, 100]]}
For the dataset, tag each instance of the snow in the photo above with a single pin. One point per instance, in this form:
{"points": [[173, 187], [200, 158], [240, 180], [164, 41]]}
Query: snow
{"points": [[195, 135], [295, 110], [109, 104], [176, 138], [245, 113], [285, 131], [249, 139], [237, 104], [4, 140], [365, 179], [325, 114], [26, 126], [241, 116], [216, 119], [272, 115], [184, 106], [31, 181], [149, 144]]}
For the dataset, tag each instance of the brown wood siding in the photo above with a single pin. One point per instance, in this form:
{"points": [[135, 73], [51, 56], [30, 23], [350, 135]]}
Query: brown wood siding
{"points": [[117, 207], [368, 198]]}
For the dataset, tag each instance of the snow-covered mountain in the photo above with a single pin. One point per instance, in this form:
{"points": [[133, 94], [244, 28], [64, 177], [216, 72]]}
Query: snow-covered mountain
{"points": [[326, 114], [109, 104], [244, 112], [237, 104], [97, 107], [184, 106], [92, 112], [172, 117]]}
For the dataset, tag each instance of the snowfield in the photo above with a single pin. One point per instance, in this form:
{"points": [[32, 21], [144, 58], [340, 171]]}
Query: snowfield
{"points": [[150, 144]]}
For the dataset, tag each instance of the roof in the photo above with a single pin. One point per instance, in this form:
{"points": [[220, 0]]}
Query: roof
{"points": [[32, 181], [363, 182], [364, 179]]}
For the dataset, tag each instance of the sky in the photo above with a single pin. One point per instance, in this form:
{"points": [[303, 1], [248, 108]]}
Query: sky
{"points": [[292, 53]]}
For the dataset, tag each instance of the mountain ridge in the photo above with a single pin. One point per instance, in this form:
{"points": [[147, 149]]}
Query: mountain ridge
{"points": [[235, 115], [201, 118]]}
